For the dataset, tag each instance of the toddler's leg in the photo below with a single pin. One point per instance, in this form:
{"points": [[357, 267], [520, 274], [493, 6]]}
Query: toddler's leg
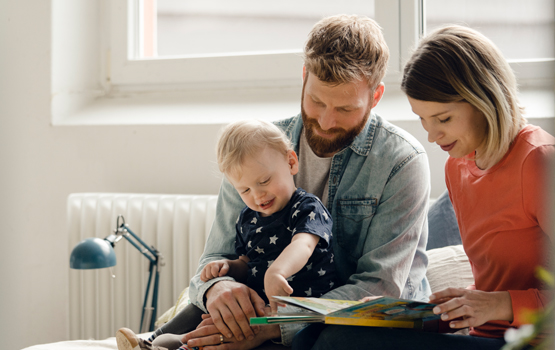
{"points": [[168, 341], [185, 321]]}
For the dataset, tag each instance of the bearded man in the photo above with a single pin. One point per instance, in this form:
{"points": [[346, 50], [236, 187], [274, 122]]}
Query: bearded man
{"points": [[372, 176]]}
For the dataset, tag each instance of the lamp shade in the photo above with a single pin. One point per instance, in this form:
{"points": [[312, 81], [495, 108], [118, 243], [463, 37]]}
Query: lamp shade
{"points": [[92, 253]]}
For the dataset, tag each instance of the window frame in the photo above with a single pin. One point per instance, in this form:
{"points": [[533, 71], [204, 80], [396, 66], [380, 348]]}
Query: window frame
{"points": [[400, 23], [93, 82]]}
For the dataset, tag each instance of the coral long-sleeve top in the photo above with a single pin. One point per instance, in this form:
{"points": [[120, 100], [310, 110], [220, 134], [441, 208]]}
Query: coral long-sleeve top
{"points": [[505, 216]]}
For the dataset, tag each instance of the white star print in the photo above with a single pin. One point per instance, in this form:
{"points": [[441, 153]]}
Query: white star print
{"points": [[290, 279], [258, 230], [236, 221], [331, 258], [270, 262], [326, 236], [259, 250], [295, 206], [293, 232], [288, 229], [308, 292], [249, 244], [254, 271], [312, 215], [309, 267], [323, 250], [273, 239], [325, 215], [253, 221], [321, 272], [295, 213], [331, 284], [302, 193]]}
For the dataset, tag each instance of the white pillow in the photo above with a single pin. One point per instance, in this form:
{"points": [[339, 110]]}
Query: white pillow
{"points": [[182, 301], [448, 267]]}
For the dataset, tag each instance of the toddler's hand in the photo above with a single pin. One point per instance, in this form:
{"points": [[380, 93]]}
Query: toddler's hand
{"points": [[214, 269], [275, 284]]}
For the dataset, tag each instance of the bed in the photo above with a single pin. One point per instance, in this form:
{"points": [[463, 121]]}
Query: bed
{"points": [[448, 266]]}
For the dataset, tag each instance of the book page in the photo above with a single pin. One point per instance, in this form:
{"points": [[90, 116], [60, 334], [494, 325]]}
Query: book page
{"points": [[389, 309], [321, 306]]}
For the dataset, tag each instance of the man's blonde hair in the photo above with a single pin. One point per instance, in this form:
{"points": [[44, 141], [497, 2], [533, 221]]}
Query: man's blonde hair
{"points": [[342, 49], [459, 64], [247, 138]]}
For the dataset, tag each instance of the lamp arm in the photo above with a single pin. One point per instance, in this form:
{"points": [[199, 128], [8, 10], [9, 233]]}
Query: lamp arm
{"points": [[145, 249], [156, 262]]}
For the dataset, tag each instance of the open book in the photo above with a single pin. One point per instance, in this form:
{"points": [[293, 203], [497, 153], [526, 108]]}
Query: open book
{"points": [[378, 312]]}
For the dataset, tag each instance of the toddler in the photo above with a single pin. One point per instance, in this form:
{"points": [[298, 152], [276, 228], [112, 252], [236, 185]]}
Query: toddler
{"points": [[283, 235]]}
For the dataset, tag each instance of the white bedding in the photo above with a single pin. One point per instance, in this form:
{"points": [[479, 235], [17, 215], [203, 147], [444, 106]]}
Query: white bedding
{"points": [[106, 344]]}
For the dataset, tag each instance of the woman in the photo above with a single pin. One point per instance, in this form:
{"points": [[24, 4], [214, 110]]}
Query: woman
{"points": [[465, 93]]}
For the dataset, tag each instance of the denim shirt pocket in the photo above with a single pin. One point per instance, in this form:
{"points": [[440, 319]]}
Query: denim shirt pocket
{"points": [[353, 221]]}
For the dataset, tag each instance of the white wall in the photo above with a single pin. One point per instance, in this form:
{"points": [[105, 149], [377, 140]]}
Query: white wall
{"points": [[40, 165]]}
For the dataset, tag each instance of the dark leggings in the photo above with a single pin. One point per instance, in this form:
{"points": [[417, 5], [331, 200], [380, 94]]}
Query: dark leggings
{"points": [[322, 337], [185, 321]]}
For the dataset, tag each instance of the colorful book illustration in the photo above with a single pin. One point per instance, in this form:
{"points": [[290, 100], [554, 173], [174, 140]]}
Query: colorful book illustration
{"points": [[378, 312]]}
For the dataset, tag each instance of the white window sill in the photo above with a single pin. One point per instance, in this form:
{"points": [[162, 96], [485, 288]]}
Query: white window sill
{"points": [[220, 107]]}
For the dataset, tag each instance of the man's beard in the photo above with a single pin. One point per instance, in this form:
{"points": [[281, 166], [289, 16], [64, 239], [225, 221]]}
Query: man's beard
{"points": [[326, 147]]}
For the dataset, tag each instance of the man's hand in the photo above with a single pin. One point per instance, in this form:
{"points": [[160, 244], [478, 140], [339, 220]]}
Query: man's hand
{"points": [[472, 308], [275, 284], [208, 336], [231, 305], [213, 269]]}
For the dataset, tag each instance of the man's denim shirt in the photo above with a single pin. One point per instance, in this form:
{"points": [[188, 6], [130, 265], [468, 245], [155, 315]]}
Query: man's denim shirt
{"points": [[378, 196]]}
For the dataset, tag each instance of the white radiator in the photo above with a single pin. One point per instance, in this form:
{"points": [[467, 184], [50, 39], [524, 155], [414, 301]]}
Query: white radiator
{"points": [[176, 225]]}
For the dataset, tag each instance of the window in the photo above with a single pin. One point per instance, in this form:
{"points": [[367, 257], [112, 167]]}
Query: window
{"points": [[523, 30], [248, 43], [216, 27], [113, 61]]}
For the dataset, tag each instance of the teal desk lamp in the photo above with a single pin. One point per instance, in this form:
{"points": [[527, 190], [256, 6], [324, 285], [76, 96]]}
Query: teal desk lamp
{"points": [[96, 253]]}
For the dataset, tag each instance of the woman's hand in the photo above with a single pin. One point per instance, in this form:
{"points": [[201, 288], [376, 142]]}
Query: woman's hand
{"points": [[208, 336], [471, 308]]}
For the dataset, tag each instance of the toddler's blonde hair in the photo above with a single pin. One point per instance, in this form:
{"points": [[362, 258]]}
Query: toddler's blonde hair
{"points": [[247, 138]]}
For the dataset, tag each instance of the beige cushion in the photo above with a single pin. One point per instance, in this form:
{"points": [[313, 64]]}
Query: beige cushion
{"points": [[448, 267], [182, 301]]}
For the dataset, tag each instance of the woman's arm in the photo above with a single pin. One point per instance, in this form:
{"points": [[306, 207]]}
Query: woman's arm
{"points": [[472, 308]]}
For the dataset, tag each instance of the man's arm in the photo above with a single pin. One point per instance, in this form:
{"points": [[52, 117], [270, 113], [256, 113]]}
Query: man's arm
{"points": [[397, 254], [220, 243], [231, 304]]}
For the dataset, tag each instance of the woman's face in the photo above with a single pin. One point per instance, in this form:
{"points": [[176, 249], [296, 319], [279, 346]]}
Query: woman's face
{"points": [[457, 127]]}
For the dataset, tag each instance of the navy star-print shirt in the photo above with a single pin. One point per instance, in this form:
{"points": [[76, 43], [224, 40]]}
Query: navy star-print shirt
{"points": [[262, 239]]}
